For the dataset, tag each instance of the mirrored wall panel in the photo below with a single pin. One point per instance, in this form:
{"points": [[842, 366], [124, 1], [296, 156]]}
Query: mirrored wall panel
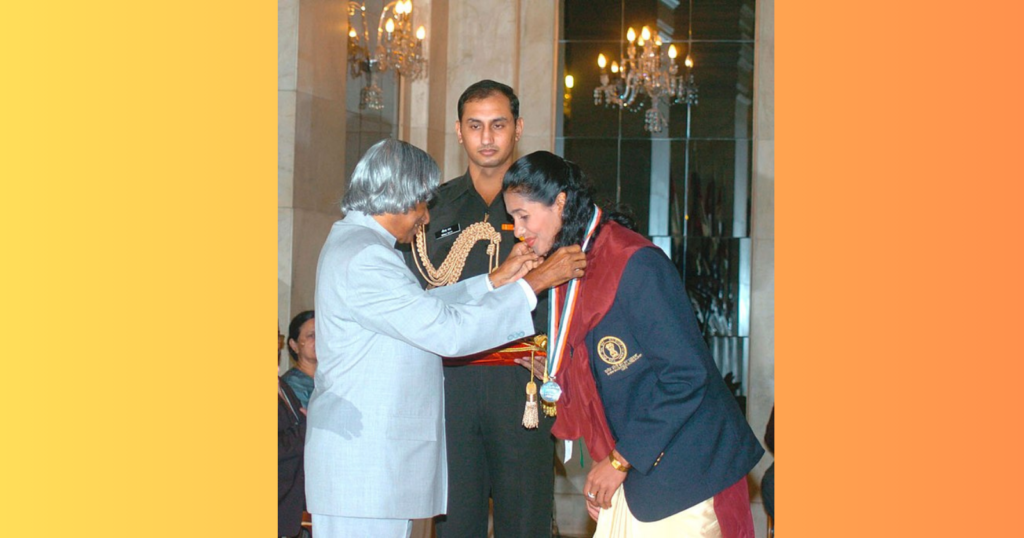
{"points": [[682, 160]]}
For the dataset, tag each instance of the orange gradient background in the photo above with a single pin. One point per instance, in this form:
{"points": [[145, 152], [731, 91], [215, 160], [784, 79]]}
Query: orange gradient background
{"points": [[898, 276], [139, 179]]}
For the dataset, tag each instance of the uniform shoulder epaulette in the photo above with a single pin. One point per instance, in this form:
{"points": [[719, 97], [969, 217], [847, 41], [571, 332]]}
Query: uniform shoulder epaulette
{"points": [[447, 186]]}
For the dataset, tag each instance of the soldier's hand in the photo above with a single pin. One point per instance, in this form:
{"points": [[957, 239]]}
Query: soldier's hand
{"points": [[540, 363]]}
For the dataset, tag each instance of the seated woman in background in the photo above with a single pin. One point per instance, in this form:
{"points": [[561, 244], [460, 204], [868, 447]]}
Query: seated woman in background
{"points": [[670, 445], [291, 439], [302, 348]]}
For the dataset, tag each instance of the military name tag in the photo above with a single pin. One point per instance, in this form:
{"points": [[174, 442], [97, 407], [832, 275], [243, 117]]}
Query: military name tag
{"points": [[445, 232], [550, 392]]}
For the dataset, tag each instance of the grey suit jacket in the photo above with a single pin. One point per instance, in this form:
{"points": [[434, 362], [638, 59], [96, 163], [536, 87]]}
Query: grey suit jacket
{"points": [[375, 446]]}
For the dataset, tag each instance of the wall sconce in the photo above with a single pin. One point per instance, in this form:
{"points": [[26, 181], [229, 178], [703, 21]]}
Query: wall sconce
{"points": [[397, 48], [567, 98]]}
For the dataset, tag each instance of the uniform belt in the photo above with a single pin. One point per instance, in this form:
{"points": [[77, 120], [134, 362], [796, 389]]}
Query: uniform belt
{"points": [[501, 357]]}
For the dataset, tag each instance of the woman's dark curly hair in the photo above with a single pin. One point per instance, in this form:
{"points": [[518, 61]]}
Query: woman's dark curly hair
{"points": [[541, 176]]}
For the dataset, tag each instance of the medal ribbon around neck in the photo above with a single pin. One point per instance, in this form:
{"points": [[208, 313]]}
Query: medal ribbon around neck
{"points": [[558, 326]]}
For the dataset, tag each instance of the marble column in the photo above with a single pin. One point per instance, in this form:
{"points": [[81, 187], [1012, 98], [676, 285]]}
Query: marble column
{"points": [[762, 233], [311, 142]]}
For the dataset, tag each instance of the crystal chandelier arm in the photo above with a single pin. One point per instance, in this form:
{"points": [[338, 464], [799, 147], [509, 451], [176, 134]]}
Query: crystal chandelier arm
{"points": [[358, 53], [383, 17], [352, 8], [631, 90], [380, 29], [366, 31]]}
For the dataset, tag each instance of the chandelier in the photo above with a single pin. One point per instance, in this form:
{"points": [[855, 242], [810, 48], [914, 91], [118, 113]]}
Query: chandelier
{"points": [[644, 72], [397, 48]]}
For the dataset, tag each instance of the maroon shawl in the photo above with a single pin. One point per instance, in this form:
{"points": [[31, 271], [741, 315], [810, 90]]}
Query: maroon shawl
{"points": [[580, 412]]}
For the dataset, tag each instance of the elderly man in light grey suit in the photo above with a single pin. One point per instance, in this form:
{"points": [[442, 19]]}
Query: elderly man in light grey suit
{"points": [[375, 447]]}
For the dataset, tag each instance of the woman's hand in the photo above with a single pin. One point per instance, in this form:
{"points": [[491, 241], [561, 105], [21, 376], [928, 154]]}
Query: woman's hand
{"points": [[602, 481]]}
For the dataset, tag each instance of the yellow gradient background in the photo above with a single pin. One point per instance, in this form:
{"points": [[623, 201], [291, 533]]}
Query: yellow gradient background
{"points": [[139, 212], [139, 228]]}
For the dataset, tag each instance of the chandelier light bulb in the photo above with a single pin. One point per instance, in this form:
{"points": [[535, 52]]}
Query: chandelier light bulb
{"points": [[390, 25], [601, 61], [615, 67], [421, 32], [645, 34], [400, 8], [688, 61], [569, 81], [631, 34], [672, 53], [351, 32]]}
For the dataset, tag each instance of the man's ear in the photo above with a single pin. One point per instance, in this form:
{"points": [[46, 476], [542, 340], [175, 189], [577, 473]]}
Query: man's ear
{"points": [[519, 128], [458, 130]]}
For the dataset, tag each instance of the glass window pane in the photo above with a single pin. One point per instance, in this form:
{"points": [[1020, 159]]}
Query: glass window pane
{"points": [[635, 183], [713, 282], [599, 159], [722, 20], [583, 117], [592, 19], [719, 179], [724, 75]]}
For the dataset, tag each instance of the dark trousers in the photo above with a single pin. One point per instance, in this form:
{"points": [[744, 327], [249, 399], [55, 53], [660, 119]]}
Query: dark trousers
{"points": [[491, 454]]}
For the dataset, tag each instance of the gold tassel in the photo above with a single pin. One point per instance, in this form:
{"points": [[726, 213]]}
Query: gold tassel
{"points": [[530, 417]]}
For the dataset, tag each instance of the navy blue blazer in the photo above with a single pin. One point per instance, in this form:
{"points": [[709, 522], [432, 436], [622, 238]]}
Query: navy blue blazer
{"points": [[668, 408]]}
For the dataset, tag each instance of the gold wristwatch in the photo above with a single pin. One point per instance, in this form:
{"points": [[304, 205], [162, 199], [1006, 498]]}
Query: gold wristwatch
{"points": [[619, 466]]}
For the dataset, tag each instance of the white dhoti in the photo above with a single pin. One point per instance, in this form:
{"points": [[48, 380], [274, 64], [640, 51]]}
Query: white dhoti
{"points": [[697, 521]]}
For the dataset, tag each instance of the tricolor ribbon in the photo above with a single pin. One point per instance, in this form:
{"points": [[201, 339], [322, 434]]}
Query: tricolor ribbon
{"points": [[558, 325]]}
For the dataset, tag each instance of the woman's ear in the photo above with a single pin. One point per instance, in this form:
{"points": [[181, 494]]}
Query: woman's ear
{"points": [[293, 345], [560, 202]]}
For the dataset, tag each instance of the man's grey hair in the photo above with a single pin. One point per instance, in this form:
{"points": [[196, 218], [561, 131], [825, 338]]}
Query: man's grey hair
{"points": [[392, 177]]}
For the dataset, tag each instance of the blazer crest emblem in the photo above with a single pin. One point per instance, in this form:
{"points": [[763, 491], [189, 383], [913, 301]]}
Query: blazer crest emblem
{"points": [[612, 350]]}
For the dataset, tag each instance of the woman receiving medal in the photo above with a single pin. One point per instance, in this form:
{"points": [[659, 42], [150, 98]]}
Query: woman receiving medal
{"points": [[629, 372]]}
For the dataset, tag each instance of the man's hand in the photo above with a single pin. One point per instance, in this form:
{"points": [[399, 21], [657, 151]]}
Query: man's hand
{"points": [[540, 363], [519, 262], [602, 481], [566, 263]]}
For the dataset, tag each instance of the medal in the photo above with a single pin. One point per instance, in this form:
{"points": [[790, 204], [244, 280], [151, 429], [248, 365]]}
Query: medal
{"points": [[550, 391]]}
